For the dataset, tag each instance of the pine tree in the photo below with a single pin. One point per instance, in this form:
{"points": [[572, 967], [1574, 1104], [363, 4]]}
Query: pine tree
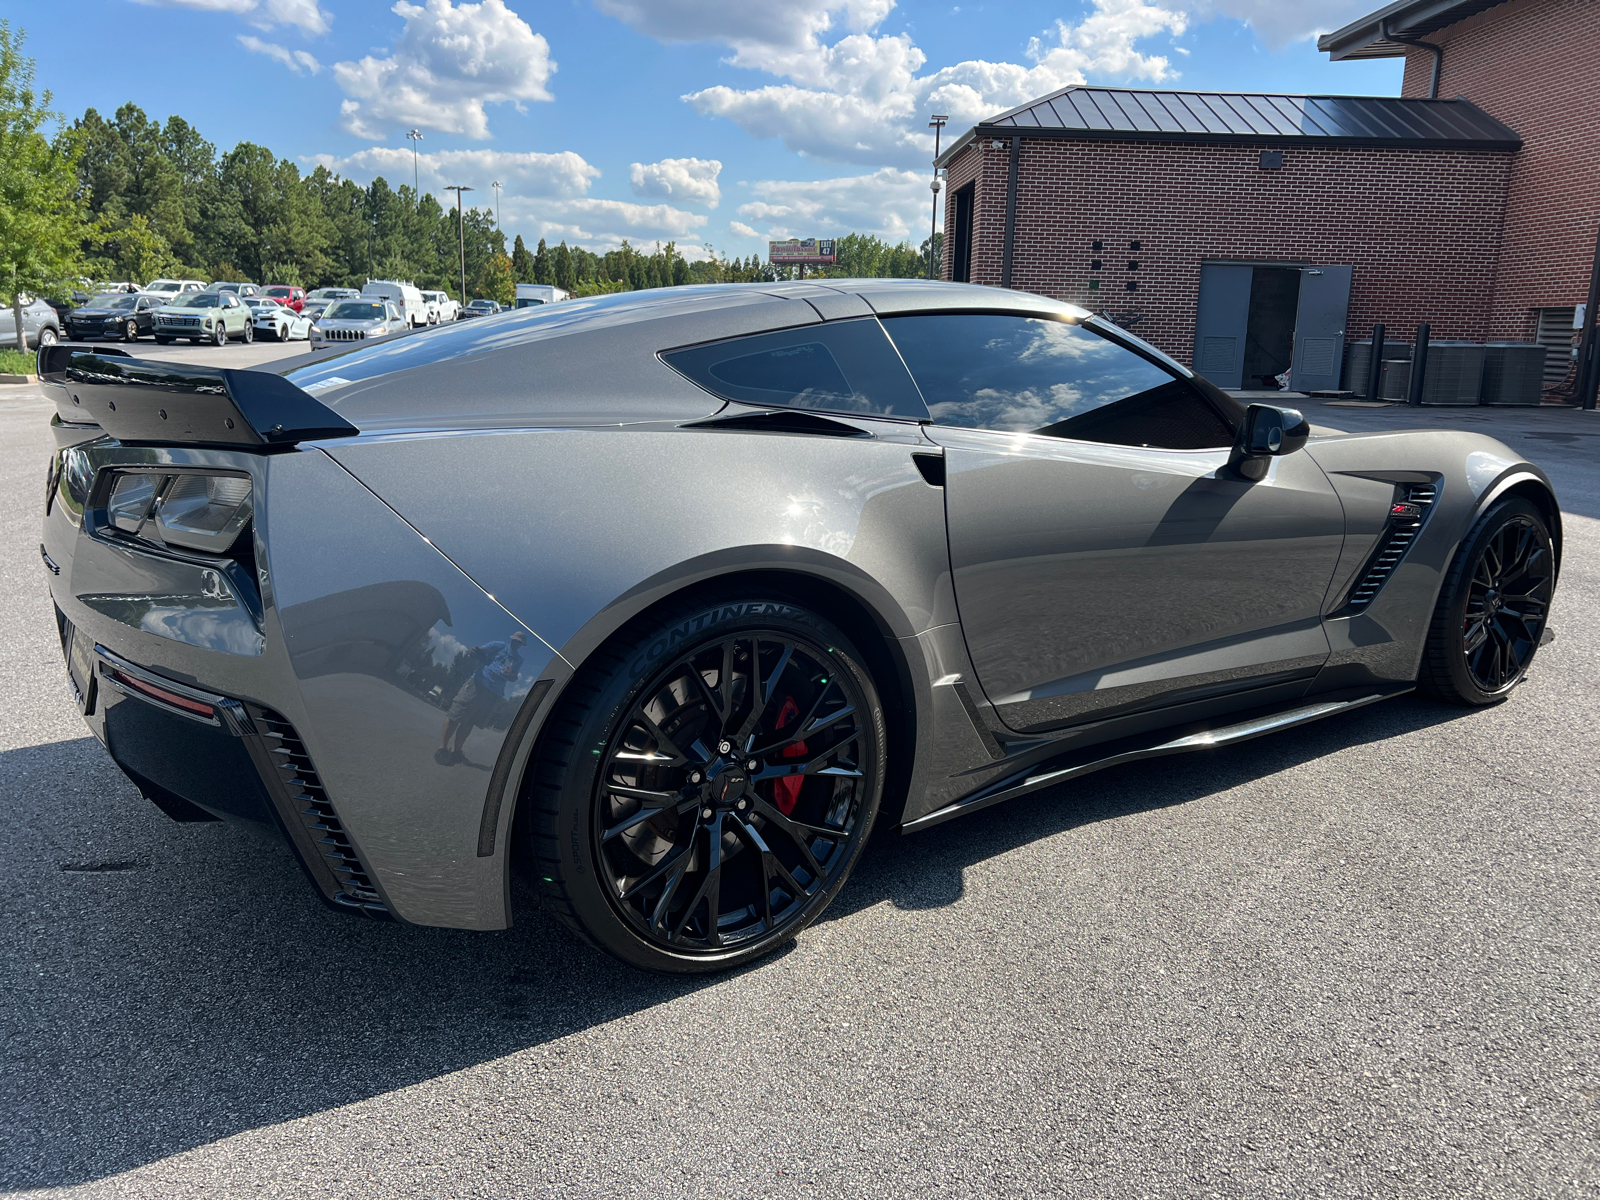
{"points": [[543, 268], [565, 277], [521, 262]]}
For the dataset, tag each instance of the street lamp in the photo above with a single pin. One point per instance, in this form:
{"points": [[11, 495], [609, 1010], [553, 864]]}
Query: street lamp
{"points": [[496, 186], [937, 125], [415, 136], [461, 233]]}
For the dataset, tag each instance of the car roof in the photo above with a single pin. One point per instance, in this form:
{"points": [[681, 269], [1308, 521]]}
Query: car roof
{"points": [[484, 364]]}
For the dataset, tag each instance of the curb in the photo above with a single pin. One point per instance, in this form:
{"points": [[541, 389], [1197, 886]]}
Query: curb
{"points": [[4, 379]]}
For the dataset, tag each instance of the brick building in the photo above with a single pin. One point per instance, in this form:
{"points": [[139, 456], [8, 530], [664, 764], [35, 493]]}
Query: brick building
{"points": [[1240, 231]]}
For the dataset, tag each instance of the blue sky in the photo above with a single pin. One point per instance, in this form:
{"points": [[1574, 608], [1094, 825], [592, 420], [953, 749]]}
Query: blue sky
{"points": [[710, 122]]}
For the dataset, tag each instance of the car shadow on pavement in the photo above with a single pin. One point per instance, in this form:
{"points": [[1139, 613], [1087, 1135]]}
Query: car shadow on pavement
{"points": [[177, 984], [925, 870]]}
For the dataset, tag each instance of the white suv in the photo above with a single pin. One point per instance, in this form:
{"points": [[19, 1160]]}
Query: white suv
{"points": [[168, 290]]}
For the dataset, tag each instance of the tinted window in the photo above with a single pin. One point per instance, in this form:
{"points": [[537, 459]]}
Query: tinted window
{"points": [[844, 366], [1028, 375]]}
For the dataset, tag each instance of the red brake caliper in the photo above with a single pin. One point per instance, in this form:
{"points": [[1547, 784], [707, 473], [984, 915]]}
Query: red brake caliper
{"points": [[786, 791]]}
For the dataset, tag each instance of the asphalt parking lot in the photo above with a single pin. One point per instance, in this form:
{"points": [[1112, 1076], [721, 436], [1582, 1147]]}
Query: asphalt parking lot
{"points": [[1354, 959]]}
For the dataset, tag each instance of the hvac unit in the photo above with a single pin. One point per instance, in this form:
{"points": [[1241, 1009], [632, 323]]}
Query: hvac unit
{"points": [[1455, 373], [1358, 357], [1513, 373]]}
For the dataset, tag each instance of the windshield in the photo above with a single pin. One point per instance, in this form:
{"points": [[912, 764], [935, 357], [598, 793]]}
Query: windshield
{"points": [[355, 310], [164, 285], [525, 302], [280, 291], [115, 300], [483, 304], [198, 300]]}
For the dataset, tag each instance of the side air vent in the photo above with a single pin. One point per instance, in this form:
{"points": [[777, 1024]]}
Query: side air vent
{"points": [[299, 777], [1407, 515]]}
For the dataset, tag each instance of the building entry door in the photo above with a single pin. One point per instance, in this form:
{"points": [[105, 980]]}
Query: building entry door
{"points": [[1319, 328], [1258, 320]]}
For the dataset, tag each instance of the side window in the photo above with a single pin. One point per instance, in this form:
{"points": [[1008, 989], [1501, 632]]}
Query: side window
{"points": [[1030, 375], [841, 366]]}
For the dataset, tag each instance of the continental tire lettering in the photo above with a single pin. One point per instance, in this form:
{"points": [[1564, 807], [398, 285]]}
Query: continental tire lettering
{"points": [[710, 619], [577, 852]]}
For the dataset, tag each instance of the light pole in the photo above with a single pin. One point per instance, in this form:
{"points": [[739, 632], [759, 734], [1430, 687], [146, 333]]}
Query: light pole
{"points": [[937, 125], [496, 186], [415, 136], [461, 233]]}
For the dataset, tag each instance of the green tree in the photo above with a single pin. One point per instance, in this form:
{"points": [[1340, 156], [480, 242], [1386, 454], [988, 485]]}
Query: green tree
{"points": [[497, 282], [521, 262], [565, 276], [543, 268], [41, 217]]}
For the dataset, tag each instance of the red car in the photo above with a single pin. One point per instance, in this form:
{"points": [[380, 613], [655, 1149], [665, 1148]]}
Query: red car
{"points": [[289, 297]]}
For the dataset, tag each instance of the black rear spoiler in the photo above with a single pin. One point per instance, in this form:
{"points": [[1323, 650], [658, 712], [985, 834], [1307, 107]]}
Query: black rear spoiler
{"points": [[138, 400]]}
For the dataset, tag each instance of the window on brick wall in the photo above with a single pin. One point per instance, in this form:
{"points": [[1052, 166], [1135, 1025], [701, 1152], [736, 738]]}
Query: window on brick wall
{"points": [[1014, 374]]}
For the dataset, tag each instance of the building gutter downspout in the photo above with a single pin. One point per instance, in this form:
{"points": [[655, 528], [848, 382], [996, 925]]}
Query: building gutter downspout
{"points": [[1009, 244], [1385, 35]]}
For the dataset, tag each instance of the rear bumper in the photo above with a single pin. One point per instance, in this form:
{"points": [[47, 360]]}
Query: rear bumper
{"points": [[200, 755]]}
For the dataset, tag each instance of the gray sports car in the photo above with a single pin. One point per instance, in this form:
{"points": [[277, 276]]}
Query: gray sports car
{"points": [[670, 597]]}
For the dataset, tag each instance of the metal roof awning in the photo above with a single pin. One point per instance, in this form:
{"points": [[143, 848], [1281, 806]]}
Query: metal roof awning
{"points": [[1130, 114], [1369, 36]]}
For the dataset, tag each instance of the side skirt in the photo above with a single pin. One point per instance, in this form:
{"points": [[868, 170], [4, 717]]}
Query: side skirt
{"points": [[1096, 758]]}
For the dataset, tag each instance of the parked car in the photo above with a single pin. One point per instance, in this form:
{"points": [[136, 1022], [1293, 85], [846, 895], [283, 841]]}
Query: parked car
{"points": [[170, 289], [205, 316], [284, 294], [967, 547], [531, 294], [405, 297], [356, 320], [480, 308], [318, 301], [441, 308], [125, 316], [40, 324], [238, 289], [276, 320], [100, 289]]}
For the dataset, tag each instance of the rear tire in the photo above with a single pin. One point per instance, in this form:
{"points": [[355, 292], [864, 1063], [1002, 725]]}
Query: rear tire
{"points": [[1493, 608], [700, 863]]}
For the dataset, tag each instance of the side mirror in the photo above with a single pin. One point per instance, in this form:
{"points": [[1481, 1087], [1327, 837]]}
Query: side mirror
{"points": [[1266, 432]]}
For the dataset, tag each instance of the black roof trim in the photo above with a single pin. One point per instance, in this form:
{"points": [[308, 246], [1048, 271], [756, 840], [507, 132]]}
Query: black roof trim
{"points": [[1247, 118], [1410, 19]]}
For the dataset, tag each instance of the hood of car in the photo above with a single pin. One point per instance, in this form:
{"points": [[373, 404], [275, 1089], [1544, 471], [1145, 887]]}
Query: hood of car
{"points": [[97, 312], [346, 323]]}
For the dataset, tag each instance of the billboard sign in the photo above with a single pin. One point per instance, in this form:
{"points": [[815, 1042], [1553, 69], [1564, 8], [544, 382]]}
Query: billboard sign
{"points": [[807, 251]]}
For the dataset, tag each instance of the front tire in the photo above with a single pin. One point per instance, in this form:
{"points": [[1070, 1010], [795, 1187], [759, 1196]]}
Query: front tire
{"points": [[249, 334], [1493, 608], [219, 334], [130, 332], [707, 783]]}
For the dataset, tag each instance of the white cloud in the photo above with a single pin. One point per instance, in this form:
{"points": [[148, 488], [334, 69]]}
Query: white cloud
{"points": [[564, 175], [743, 230], [602, 224], [689, 179], [307, 15], [891, 203], [298, 61], [451, 60], [861, 98], [1277, 23]]}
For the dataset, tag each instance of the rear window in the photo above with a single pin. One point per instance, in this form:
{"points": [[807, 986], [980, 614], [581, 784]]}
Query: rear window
{"points": [[356, 310], [843, 366]]}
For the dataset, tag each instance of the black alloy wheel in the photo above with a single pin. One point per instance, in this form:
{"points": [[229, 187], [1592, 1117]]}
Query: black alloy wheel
{"points": [[131, 331], [1493, 609], [696, 807]]}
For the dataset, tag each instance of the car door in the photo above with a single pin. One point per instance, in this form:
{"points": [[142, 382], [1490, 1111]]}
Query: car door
{"points": [[145, 315], [1106, 560]]}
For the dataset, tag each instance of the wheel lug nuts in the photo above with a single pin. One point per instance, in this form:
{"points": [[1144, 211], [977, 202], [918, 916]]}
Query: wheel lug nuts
{"points": [[751, 765], [742, 805], [706, 813], [694, 776], [724, 746]]}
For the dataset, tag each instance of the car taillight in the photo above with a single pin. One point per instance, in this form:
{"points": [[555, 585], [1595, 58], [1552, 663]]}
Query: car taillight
{"points": [[194, 511]]}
